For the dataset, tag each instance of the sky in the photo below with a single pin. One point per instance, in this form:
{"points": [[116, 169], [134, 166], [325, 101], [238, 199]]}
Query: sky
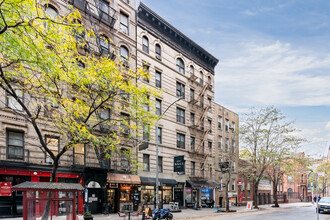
{"points": [[274, 52]]}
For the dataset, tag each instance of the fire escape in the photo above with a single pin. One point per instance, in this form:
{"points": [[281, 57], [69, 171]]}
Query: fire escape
{"points": [[97, 10]]}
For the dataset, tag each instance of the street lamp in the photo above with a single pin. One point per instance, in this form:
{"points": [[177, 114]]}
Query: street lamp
{"points": [[157, 171]]}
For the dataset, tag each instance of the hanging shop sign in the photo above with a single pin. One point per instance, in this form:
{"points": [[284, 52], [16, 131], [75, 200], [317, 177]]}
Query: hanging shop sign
{"points": [[179, 164], [5, 188]]}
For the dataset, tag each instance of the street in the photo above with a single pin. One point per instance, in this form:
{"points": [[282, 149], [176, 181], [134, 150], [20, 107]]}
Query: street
{"points": [[301, 213]]}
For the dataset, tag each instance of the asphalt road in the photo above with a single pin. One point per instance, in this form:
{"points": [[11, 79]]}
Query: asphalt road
{"points": [[301, 213]]}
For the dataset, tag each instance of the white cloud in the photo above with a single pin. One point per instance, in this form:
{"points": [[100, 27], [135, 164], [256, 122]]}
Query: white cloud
{"points": [[327, 126], [274, 74]]}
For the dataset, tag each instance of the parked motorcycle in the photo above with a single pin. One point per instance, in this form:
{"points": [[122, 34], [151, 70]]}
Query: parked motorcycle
{"points": [[162, 214]]}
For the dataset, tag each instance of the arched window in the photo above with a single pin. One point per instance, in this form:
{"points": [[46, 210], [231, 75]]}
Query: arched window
{"points": [[192, 70], [105, 45], [123, 53], [201, 78], [145, 44], [180, 65], [158, 49], [51, 12]]}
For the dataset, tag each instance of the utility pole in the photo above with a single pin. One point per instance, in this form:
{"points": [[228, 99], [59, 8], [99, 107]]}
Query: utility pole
{"points": [[317, 199], [157, 170]]}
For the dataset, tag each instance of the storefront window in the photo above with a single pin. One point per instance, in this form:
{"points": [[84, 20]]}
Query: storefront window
{"points": [[206, 195], [125, 193], [167, 194], [148, 194]]}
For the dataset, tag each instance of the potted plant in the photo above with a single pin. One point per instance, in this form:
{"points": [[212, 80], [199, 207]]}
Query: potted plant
{"points": [[88, 216]]}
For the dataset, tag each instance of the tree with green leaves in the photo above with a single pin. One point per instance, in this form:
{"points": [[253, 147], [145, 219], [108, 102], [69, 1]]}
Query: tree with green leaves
{"points": [[77, 95], [267, 139], [323, 181]]}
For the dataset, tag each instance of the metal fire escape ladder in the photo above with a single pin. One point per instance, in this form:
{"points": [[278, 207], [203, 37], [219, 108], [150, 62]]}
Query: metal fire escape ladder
{"points": [[203, 140], [204, 161], [91, 20]]}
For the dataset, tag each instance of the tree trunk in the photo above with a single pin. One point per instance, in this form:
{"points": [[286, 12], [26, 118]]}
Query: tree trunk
{"points": [[275, 194], [45, 215], [226, 197], [255, 193]]}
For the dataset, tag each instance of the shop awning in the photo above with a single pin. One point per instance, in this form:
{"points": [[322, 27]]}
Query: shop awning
{"points": [[197, 183], [123, 178], [163, 182]]}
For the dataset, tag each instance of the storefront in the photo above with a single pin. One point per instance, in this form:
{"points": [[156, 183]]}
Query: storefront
{"points": [[11, 205], [123, 192], [165, 191], [197, 193], [178, 194]]}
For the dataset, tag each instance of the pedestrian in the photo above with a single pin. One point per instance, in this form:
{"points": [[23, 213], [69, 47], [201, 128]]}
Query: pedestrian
{"points": [[319, 198], [314, 198]]}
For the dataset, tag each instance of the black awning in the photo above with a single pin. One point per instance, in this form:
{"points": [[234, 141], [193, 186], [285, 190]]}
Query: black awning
{"points": [[163, 182], [197, 183]]}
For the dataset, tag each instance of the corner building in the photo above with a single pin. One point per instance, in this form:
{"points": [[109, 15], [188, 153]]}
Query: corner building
{"points": [[177, 67]]}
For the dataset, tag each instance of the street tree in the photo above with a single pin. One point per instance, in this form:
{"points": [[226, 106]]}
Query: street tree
{"points": [[323, 181], [267, 139], [49, 81]]}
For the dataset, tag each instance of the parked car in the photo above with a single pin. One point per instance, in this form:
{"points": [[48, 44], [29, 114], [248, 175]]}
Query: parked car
{"points": [[324, 204]]}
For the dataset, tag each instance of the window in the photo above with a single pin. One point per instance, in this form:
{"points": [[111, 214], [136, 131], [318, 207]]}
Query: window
{"points": [[53, 145], [160, 164], [124, 54], [201, 78], [180, 88], [146, 162], [180, 141], [158, 50], [146, 133], [192, 143], [233, 146], [158, 77], [146, 73], [192, 119], [124, 23], [233, 126], [105, 114], [146, 104], [192, 166], [219, 142], [15, 145], [209, 103], [124, 159], [180, 115], [79, 154], [227, 145], [145, 44], [180, 65], [227, 125], [219, 122], [125, 122], [202, 101], [209, 144], [192, 94], [158, 107], [13, 103], [127, 1], [192, 71], [210, 125], [210, 169], [233, 185], [159, 132], [51, 12], [105, 45], [220, 187], [104, 6]]}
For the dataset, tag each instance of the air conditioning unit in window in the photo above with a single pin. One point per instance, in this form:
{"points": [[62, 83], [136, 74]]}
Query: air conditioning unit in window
{"points": [[159, 57], [49, 160]]}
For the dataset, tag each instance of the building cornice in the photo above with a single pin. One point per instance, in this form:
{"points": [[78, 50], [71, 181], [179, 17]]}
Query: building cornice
{"points": [[154, 24]]}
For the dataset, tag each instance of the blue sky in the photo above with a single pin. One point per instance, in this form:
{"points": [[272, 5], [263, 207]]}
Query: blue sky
{"points": [[274, 52]]}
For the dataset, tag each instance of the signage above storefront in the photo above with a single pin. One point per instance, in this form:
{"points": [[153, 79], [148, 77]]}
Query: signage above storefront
{"points": [[179, 164], [5, 188]]}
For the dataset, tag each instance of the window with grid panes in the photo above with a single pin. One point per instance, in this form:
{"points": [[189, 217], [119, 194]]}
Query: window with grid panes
{"points": [[146, 133], [15, 145], [180, 115], [159, 133], [192, 94], [158, 50], [192, 118], [158, 78], [79, 154], [53, 144], [180, 90], [227, 145], [160, 164], [192, 167], [219, 142], [219, 122], [146, 162], [146, 72], [12, 103], [180, 140], [180, 65]]}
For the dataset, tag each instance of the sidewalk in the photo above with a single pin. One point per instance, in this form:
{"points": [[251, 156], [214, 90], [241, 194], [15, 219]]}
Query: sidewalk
{"points": [[208, 212], [194, 214]]}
